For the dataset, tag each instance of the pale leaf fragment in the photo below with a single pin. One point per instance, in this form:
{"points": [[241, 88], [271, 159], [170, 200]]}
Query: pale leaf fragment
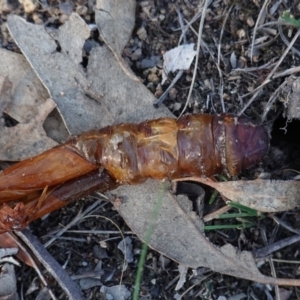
{"points": [[126, 247], [292, 94], [74, 33], [8, 282], [182, 279], [115, 21], [116, 292], [23, 97], [179, 58], [26, 139]]}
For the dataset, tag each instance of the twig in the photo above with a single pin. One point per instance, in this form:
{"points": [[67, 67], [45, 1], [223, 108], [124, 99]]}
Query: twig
{"points": [[287, 72], [216, 213], [222, 32], [164, 95], [197, 55], [182, 27], [271, 100], [284, 225], [74, 221], [255, 27], [51, 265], [180, 72], [268, 78], [265, 251], [284, 39]]}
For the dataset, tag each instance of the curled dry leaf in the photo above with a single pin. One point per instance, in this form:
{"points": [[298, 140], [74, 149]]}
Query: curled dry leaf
{"points": [[261, 195]]}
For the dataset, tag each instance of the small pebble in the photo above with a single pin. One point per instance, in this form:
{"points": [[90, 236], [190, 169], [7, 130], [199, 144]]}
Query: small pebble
{"points": [[37, 18], [153, 78], [29, 5], [63, 18], [241, 33], [173, 93], [66, 7], [142, 33], [82, 10], [250, 22], [161, 17], [136, 54]]}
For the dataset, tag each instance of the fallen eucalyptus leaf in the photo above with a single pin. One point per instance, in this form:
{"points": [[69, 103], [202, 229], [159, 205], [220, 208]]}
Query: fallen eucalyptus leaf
{"points": [[259, 194], [176, 235], [124, 99]]}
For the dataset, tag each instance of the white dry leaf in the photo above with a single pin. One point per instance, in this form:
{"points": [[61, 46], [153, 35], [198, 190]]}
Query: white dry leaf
{"points": [[116, 292], [179, 58], [126, 247], [233, 60], [182, 279]]}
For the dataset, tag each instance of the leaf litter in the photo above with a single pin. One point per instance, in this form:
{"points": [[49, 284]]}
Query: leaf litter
{"points": [[24, 99], [67, 83]]}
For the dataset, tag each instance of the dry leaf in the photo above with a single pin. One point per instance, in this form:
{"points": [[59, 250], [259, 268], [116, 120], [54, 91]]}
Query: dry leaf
{"points": [[24, 98], [58, 71], [259, 194], [74, 32], [292, 94], [179, 58], [115, 21], [124, 99], [8, 282], [176, 235]]}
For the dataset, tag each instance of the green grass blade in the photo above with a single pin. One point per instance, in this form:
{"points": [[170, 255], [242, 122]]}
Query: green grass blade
{"points": [[148, 234]]}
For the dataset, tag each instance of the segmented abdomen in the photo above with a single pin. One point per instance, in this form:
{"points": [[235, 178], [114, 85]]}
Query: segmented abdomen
{"points": [[194, 145]]}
